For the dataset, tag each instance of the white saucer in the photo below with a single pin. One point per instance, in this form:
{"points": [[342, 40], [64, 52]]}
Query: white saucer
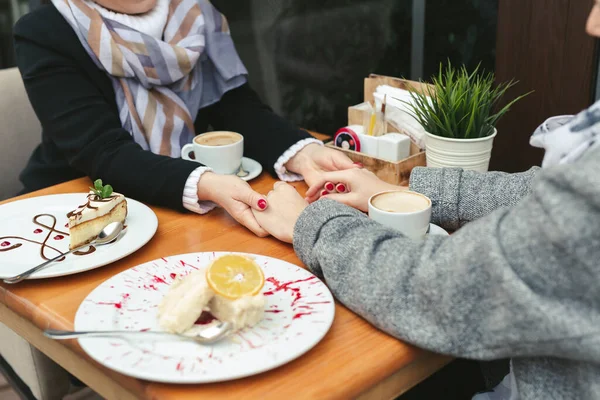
{"points": [[437, 230], [252, 167]]}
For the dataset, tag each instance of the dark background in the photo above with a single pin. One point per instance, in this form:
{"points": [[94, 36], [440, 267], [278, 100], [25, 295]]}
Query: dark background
{"points": [[308, 58]]}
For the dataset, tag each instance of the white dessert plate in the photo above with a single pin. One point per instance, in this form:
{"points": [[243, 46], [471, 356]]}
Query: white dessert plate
{"points": [[24, 243], [437, 230], [298, 313]]}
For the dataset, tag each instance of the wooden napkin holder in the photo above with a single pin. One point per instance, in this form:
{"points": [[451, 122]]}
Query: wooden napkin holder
{"points": [[397, 173]]}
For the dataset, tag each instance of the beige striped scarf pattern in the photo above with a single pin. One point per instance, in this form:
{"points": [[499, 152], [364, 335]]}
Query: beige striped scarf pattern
{"points": [[160, 84]]}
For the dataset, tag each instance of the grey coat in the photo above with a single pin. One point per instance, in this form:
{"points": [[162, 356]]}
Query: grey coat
{"points": [[520, 281]]}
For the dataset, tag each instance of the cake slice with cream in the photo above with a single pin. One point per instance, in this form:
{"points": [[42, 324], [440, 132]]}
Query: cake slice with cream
{"points": [[102, 207], [230, 289], [184, 302]]}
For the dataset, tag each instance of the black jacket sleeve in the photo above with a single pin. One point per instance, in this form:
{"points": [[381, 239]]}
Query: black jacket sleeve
{"points": [[266, 135], [84, 125]]}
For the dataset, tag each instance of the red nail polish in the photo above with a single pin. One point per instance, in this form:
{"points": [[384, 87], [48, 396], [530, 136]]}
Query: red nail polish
{"points": [[329, 186], [262, 204], [341, 188], [359, 165], [324, 193]]}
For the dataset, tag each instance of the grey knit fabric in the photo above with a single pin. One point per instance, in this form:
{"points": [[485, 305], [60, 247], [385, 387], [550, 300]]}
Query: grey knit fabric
{"points": [[519, 282], [461, 196]]}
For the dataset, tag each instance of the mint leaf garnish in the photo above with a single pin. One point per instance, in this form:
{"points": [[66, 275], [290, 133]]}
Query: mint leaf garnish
{"points": [[106, 191], [102, 191]]}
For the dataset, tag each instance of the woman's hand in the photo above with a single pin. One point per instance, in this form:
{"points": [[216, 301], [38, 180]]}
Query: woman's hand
{"points": [[314, 159], [352, 187], [285, 206], [235, 196]]}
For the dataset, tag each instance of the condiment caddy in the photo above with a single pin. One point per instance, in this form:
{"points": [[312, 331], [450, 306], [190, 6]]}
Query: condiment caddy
{"points": [[389, 148]]}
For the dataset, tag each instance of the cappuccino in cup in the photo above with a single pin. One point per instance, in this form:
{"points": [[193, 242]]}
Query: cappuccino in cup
{"points": [[222, 151], [218, 138], [404, 210]]}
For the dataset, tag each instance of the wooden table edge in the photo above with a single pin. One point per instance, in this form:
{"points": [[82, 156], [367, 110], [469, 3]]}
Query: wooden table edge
{"points": [[96, 378]]}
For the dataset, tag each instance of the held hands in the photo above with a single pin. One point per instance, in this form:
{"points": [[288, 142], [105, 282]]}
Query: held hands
{"points": [[328, 173], [352, 187], [285, 208], [313, 160], [235, 196], [242, 203]]}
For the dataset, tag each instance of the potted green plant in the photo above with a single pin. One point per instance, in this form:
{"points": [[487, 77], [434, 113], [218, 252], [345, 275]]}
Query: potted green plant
{"points": [[459, 115]]}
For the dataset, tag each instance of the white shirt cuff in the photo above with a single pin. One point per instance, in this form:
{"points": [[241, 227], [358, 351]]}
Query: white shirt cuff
{"points": [[190, 193], [282, 173]]}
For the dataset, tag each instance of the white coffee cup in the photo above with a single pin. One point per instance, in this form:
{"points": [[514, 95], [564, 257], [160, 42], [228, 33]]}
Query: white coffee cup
{"points": [[220, 150], [404, 210]]}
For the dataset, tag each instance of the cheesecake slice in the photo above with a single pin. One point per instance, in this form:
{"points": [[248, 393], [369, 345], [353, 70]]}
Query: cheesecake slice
{"points": [[184, 302], [191, 295], [246, 311], [87, 221]]}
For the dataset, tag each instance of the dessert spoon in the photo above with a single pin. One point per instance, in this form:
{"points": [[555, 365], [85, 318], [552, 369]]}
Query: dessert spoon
{"points": [[242, 172], [106, 236], [209, 335]]}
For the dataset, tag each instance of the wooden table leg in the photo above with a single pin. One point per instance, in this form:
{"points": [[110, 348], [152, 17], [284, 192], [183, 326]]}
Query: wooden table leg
{"points": [[78, 366]]}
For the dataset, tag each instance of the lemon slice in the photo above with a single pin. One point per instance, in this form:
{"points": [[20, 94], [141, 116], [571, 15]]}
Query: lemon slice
{"points": [[233, 276]]}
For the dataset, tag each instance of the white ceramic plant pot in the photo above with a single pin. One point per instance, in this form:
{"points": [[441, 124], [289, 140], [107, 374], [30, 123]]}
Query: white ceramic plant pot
{"points": [[471, 154]]}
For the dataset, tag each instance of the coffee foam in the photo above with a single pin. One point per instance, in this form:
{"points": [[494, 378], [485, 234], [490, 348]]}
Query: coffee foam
{"points": [[218, 138], [400, 202]]}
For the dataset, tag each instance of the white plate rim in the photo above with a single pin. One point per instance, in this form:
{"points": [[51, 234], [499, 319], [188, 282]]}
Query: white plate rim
{"points": [[85, 343], [47, 273]]}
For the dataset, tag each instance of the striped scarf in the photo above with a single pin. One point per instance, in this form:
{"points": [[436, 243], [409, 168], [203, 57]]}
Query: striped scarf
{"points": [[161, 84], [567, 138]]}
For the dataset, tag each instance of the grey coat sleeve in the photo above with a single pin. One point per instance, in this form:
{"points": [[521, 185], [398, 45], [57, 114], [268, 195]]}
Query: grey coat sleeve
{"points": [[460, 196], [522, 281]]}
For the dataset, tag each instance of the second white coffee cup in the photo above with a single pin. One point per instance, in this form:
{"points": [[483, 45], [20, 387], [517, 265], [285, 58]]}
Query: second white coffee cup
{"points": [[222, 151], [406, 211]]}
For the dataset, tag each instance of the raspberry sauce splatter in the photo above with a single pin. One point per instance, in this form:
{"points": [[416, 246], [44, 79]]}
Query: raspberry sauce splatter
{"points": [[301, 314], [116, 305], [38, 230], [205, 318], [286, 287], [252, 345]]}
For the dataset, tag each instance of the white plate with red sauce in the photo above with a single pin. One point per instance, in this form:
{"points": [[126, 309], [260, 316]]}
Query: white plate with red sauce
{"points": [[299, 312], [34, 230]]}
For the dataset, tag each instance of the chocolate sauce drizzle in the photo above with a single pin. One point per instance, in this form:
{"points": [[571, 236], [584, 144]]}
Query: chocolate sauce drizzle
{"points": [[44, 245]]}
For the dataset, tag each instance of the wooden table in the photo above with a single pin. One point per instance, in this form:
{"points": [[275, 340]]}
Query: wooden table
{"points": [[354, 360]]}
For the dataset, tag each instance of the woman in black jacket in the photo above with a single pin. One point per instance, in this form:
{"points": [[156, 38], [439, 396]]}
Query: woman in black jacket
{"points": [[120, 86]]}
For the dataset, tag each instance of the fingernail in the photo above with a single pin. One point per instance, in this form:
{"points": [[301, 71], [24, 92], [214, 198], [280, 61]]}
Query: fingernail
{"points": [[359, 165], [324, 193], [262, 204], [340, 188], [329, 186]]}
